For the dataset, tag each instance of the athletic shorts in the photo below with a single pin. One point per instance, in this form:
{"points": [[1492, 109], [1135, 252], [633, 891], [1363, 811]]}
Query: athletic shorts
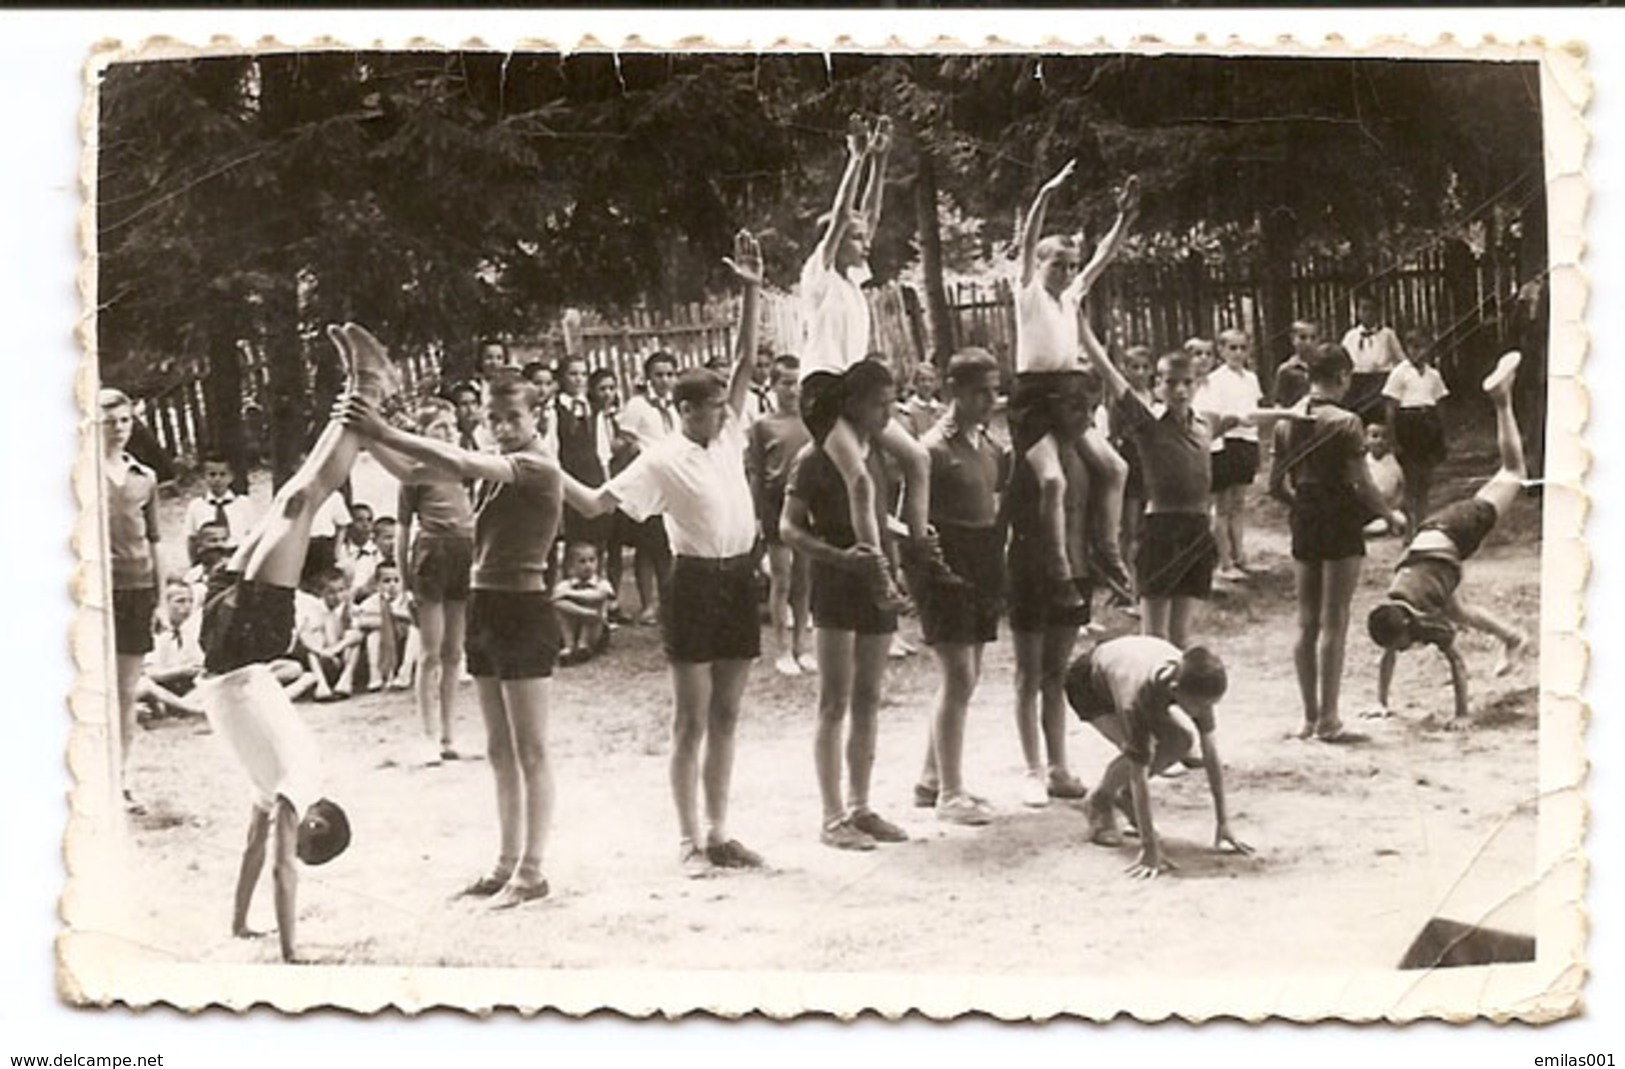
{"points": [[966, 613], [822, 394], [593, 530], [132, 621], [1327, 524], [1032, 406], [1234, 465], [1176, 556], [1034, 605], [244, 622], [842, 600], [1091, 700], [771, 506], [1419, 435], [512, 634], [708, 610], [1364, 397], [441, 565], [1466, 523]]}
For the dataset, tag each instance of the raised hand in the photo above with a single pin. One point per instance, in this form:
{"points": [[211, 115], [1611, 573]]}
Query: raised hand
{"points": [[1060, 177], [1128, 197], [857, 134], [880, 141], [746, 262]]}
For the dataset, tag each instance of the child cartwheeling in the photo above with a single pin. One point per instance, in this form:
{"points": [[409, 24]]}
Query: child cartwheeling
{"points": [[1320, 473], [1125, 689], [513, 635], [1054, 284], [248, 624], [1412, 394], [838, 327], [582, 597], [1423, 605]]}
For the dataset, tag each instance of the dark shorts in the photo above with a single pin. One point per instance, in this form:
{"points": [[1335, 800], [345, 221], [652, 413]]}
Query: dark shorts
{"points": [[1134, 485], [1466, 523], [649, 539], [1032, 406], [132, 621], [1327, 525], [1364, 397], [1419, 434], [244, 622], [822, 393], [770, 507], [593, 530], [1033, 602], [1176, 555], [441, 567], [842, 601], [1234, 465], [708, 610], [512, 634], [966, 614]]}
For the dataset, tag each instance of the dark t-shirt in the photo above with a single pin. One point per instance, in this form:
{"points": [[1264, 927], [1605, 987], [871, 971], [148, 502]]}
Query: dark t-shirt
{"points": [[1173, 455], [514, 522], [966, 476], [1322, 451], [816, 481]]}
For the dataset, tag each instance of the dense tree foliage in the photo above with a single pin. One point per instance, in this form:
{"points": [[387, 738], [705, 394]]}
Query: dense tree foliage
{"points": [[242, 201]]}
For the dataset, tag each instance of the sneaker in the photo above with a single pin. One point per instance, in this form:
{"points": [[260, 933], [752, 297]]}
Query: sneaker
{"points": [[840, 834], [925, 796], [877, 827], [449, 753], [486, 885], [429, 755], [367, 365], [1230, 574], [963, 809], [693, 861], [517, 892], [1501, 378], [733, 855], [786, 665], [1034, 791], [1064, 784]]}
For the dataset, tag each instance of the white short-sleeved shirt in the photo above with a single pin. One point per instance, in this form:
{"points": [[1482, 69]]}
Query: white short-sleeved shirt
{"points": [[700, 490], [239, 516], [649, 422], [1388, 477], [333, 514], [1230, 393], [1046, 330], [1377, 349], [837, 317], [273, 746], [1414, 388], [371, 484]]}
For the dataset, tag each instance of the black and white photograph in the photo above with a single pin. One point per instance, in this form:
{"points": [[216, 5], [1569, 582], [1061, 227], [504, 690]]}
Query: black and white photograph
{"points": [[1015, 530]]}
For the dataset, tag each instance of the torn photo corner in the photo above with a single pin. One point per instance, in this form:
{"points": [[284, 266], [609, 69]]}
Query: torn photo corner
{"points": [[383, 702]]}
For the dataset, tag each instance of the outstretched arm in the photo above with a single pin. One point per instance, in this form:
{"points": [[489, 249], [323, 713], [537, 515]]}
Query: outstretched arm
{"points": [[1128, 207], [285, 876], [857, 147], [874, 193], [440, 461], [1033, 228], [1116, 384], [1222, 836], [746, 264]]}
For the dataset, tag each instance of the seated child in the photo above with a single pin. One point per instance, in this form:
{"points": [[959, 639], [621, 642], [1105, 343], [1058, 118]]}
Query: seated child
{"points": [[1125, 688], [1386, 475], [329, 645], [176, 660], [581, 598], [208, 550], [384, 619], [1423, 604]]}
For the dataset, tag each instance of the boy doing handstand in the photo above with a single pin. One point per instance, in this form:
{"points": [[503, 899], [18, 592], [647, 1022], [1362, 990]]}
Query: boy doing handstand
{"points": [[1423, 604]]}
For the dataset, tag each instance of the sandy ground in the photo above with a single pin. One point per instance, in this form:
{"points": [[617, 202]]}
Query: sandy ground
{"points": [[1357, 846]]}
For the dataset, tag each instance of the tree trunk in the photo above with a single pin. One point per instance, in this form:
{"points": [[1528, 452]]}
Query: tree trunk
{"points": [[1275, 293], [926, 226], [1534, 312], [223, 394], [285, 370]]}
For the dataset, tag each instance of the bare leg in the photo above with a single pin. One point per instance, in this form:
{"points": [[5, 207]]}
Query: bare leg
{"points": [[869, 656], [431, 670], [1505, 486], [1029, 648], [1221, 534], [526, 703], [1236, 508], [128, 667], [499, 749], [1179, 619], [1058, 643], [1339, 579], [1108, 476], [728, 679], [780, 564], [1513, 641], [960, 665], [800, 606], [847, 453], [691, 685], [1154, 615], [835, 668], [916, 464], [451, 653], [1305, 652]]}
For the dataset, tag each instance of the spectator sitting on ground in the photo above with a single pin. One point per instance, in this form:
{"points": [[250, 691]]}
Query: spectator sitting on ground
{"points": [[328, 644], [176, 660], [581, 598], [384, 619]]}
